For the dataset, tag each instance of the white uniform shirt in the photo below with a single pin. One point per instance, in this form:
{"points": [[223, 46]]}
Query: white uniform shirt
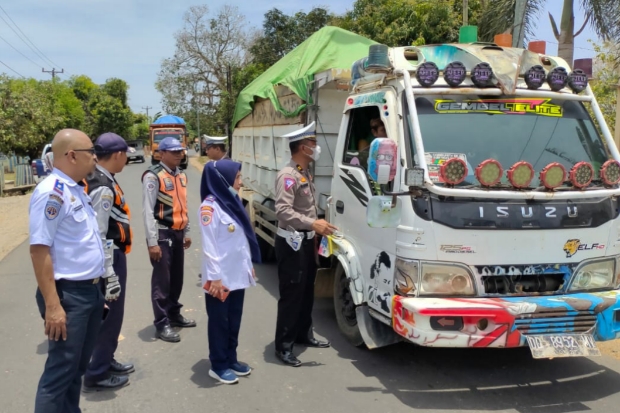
{"points": [[62, 217], [225, 250]]}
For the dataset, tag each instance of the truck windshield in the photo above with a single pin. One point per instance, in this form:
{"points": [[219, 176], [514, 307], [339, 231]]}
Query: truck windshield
{"points": [[160, 135], [512, 129]]}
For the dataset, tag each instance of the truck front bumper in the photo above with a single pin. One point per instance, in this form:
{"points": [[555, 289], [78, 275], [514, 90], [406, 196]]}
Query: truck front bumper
{"points": [[504, 322]]}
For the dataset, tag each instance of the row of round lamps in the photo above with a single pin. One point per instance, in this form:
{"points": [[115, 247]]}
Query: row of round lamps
{"points": [[427, 73], [490, 172]]}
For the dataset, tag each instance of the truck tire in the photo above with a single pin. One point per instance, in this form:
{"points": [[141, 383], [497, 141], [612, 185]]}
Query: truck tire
{"points": [[345, 309]]}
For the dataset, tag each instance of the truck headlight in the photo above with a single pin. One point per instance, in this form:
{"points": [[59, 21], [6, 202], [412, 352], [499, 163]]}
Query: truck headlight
{"points": [[595, 275], [446, 279], [406, 277]]}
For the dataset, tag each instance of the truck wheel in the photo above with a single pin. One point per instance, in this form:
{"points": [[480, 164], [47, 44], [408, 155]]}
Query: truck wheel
{"points": [[345, 309], [142, 159]]}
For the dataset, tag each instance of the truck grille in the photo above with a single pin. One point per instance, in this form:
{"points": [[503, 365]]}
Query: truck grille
{"points": [[555, 322], [523, 283]]}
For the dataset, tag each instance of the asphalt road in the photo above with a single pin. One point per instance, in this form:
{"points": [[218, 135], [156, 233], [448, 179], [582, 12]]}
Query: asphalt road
{"points": [[173, 377]]}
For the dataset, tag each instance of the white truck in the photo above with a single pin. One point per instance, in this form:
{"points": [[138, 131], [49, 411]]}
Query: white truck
{"points": [[499, 227]]}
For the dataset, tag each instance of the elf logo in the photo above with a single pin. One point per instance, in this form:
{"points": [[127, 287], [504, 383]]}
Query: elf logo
{"points": [[572, 246]]}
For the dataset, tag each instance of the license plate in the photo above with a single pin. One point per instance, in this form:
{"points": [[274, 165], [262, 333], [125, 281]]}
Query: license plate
{"points": [[562, 345]]}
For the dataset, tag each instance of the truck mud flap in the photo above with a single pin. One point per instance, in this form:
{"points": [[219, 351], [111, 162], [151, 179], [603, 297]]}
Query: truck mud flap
{"points": [[324, 283], [375, 333]]}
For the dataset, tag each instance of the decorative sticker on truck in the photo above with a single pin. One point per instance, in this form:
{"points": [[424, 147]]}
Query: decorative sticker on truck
{"points": [[540, 107], [572, 246], [380, 275], [434, 160], [372, 99]]}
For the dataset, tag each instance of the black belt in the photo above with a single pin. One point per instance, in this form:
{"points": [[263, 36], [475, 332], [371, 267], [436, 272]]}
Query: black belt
{"points": [[86, 282]]}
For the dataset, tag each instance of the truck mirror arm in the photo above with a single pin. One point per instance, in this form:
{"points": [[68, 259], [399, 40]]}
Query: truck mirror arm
{"points": [[410, 192]]}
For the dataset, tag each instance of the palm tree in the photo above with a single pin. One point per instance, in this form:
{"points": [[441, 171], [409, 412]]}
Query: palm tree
{"points": [[602, 15]]}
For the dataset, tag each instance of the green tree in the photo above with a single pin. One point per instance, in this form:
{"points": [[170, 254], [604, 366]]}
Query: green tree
{"points": [[282, 33], [110, 115], [606, 78], [118, 89], [26, 116], [602, 15], [407, 22]]}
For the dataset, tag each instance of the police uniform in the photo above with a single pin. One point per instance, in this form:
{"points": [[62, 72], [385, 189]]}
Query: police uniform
{"points": [[113, 220], [296, 211], [166, 223], [210, 140], [62, 218]]}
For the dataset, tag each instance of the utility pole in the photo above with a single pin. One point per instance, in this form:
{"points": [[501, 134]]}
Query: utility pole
{"points": [[53, 72], [465, 13], [147, 112], [518, 28]]}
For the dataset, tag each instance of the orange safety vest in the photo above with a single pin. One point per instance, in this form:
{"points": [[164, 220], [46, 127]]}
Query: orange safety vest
{"points": [[171, 205]]}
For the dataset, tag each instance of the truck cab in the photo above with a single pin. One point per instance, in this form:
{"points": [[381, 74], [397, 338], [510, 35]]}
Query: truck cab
{"points": [[484, 215], [164, 127]]}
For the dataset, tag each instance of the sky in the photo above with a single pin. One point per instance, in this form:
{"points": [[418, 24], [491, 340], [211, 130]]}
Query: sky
{"points": [[128, 39]]}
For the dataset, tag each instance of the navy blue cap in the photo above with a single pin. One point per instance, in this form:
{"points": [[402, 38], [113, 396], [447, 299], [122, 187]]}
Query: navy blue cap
{"points": [[110, 143], [170, 144]]}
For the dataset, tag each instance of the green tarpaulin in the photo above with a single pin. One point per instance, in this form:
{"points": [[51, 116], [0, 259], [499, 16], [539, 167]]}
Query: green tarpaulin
{"points": [[328, 48]]}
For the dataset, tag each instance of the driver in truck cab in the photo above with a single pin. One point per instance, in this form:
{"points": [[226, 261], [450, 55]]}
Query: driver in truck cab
{"points": [[298, 223]]}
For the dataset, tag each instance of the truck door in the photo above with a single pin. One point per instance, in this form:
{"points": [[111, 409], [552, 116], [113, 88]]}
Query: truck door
{"points": [[351, 190]]}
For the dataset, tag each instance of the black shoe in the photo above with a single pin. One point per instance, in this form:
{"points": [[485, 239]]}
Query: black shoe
{"points": [[120, 369], [313, 342], [288, 358], [111, 383], [180, 321], [166, 333]]}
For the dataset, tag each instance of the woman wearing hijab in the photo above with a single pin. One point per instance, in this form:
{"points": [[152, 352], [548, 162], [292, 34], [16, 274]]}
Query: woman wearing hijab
{"points": [[229, 247]]}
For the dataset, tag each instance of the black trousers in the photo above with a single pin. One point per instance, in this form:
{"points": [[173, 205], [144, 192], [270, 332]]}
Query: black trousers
{"points": [[167, 278], [107, 340], [223, 329], [296, 274], [61, 382]]}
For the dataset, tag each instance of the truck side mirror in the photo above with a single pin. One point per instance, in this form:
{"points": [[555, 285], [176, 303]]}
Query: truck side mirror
{"points": [[382, 159], [382, 212]]}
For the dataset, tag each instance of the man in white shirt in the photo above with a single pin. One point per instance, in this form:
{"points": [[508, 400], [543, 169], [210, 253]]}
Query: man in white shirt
{"points": [[68, 260]]}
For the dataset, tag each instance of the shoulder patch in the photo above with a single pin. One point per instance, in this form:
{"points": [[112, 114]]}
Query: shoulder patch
{"points": [[206, 208], [288, 183], [150, 185], [106, 204], [59, 186], [206, 217], [53, 205]]}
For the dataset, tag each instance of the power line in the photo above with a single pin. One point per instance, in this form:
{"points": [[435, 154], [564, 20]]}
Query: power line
{"points": [[17, 50], [39, 53], [10, 68]]}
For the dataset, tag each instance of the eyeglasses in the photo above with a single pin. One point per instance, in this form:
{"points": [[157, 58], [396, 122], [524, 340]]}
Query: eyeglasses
{"points": [[92, 150], [382, 157]]}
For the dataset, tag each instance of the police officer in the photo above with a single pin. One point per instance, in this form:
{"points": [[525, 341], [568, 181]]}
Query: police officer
{"points": [[295, 246], [62, 221], [164, 195], [216, 150], [104, 372]]}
